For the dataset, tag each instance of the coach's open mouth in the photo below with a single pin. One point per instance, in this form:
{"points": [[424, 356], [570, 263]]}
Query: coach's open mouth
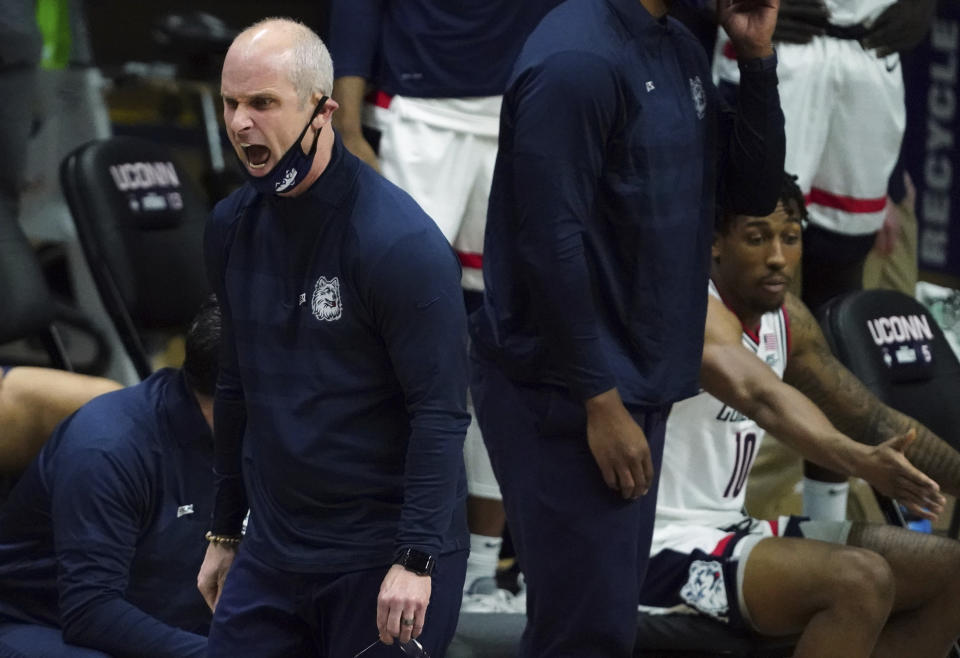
{"points": [[257, 154]]}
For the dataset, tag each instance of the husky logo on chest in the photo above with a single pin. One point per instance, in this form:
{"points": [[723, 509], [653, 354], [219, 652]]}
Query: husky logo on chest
{"points": [[325, 302]]}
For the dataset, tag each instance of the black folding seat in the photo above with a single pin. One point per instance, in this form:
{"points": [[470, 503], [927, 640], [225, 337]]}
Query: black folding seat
{"points": [[140, 221]]}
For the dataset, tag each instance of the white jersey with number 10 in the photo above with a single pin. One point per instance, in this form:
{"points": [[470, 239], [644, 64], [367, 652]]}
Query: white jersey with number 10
{"points": [[710, 447]]}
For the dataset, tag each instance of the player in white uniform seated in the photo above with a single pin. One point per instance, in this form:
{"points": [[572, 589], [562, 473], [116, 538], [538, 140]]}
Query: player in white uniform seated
{"points": [[848, 589], [842, 93]]}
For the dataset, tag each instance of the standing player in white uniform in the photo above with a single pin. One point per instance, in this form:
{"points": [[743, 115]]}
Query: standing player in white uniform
{"points": [[849, 589], [841, 90]]}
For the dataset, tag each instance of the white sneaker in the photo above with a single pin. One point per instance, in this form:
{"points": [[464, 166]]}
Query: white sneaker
{"points": [[500, 601], [484, 596], [519, 601]]}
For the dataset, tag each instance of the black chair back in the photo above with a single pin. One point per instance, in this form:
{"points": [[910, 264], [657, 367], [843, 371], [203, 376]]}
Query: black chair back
{"points": [[28, 307], [893, 344], [140, 221]]}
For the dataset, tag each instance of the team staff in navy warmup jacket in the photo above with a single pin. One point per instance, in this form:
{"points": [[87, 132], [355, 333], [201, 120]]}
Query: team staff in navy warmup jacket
{"points": [[342, 388], [101, 535], [595, 261]]}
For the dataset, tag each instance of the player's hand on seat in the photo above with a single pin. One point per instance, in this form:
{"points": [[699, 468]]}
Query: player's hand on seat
{"points": [[213, 572], [801, 20], [900, 27], [403, 595], [619, 445], [889, 470]]}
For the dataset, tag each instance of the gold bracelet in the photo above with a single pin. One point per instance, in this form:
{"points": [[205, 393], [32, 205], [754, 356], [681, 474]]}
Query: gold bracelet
{"points": [[228, 540]]}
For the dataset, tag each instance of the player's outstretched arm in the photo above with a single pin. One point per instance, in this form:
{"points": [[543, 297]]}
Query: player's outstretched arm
{"points": [[739, 379], [852, 408], [33, 401]]}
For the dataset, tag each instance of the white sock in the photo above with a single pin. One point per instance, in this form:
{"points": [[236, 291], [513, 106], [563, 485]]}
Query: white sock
{"points": [[484, 555], [825, 501]]}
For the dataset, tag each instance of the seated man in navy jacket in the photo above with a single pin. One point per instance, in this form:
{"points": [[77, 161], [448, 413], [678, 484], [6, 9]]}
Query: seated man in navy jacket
{"points": [[101, 539]]}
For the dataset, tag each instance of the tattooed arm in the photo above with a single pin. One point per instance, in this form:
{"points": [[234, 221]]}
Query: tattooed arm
{"points": [[736, 377], [852, 408]]}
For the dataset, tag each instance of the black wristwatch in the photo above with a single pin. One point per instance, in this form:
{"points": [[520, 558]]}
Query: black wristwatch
{"points": [[416, 561]]}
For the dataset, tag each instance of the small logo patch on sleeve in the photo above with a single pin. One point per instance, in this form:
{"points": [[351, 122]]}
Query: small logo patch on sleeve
{"points": [[699, 97]]}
